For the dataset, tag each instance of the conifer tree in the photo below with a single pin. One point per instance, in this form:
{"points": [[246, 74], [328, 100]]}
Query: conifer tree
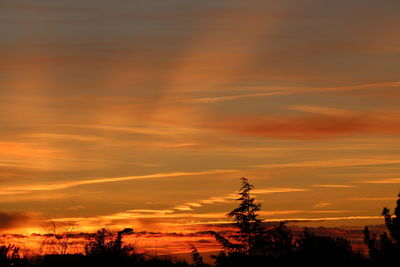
{"points": [[252, 238], [385, 250], [245, 217]]}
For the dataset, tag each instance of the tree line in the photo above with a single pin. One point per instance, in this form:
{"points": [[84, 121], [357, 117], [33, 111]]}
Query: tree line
{"points": [[252, 245]]}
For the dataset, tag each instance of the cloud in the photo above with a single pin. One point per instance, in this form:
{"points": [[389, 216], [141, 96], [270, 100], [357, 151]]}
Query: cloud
{"points": [[145, 130], [277, 190], [72, 137], [193, 204], [320, 124], [185, 211], [166, 220], [183, 208], [322, 205], [227, 198], [323, 110], [65, 185], [30, 155], [335, 185], [331, 164], [355, 87], [321, 219], [234, 97], [297, 90], [151, 211], [382, 181], [290, 212], [371, 198], [10, 220]]}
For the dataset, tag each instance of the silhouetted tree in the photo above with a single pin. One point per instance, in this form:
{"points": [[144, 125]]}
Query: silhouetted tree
{"points": [[392, 222], [106, 249], [252, 241], [245, 218], [385, 250], [313, 250], [105, 243], [57, 238], [196, 257], [10, 257]]}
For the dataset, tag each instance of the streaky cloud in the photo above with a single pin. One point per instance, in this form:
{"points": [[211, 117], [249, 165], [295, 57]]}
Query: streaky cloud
{"points": [[382, 181], [234, 97], [65, 185], [335, 185], [330, 163]]}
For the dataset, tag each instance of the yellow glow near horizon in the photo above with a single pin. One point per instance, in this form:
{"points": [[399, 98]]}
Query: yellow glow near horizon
{"points": [[147, 115]]}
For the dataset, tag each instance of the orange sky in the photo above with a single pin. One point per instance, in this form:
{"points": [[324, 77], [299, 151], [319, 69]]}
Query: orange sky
{"points": [[145, 114]]}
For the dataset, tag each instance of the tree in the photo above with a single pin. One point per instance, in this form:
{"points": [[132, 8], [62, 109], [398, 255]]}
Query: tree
{"points": [[392, 222], [245, 218], [9, 255], [313, 250], [251, 239], [385, 250], [56, 240], [106, 244], [196, 257]]}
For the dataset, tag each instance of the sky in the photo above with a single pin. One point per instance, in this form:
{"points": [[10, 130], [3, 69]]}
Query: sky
{"points": [[146, 114]]}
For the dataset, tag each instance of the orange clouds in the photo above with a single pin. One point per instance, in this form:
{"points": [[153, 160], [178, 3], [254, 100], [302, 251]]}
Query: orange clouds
{"points": [[12, 220], [64, 185], [309, 127], [30, 155], [26, 150]]}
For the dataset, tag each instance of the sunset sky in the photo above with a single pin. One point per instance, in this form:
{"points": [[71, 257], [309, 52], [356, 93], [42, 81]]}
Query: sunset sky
{"points": [[146, 113]]}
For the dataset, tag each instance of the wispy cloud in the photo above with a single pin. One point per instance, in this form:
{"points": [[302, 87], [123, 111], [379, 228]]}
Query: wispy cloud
{"points": [[321, 124], [322, 205], [57, 136], [278, 190], [331, 163], [381, 181], [321, 219], [371, 198], [335, 185], [235, 97], [290, 212], [356, 87], [65, 185], [183, 208], [299, 90], [323, 110], [145, 129], [227, 198]]}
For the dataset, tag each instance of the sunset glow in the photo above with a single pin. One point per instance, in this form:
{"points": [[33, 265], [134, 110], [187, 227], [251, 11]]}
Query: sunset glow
{"points": [[145, 114]]}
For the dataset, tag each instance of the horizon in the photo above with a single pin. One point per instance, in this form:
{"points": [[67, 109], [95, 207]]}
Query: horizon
{"points": [[145, 114]]}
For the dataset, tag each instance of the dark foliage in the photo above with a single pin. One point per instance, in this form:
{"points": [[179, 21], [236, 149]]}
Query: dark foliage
{"points": [[312, 250], [9, 256], [385, 250], [108, 250], [196, 257]]}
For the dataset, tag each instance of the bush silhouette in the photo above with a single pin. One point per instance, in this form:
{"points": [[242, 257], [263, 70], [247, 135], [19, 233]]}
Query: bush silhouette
{"points": [[313, 250], [10, 256], [108, 250], [385, 250]]}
